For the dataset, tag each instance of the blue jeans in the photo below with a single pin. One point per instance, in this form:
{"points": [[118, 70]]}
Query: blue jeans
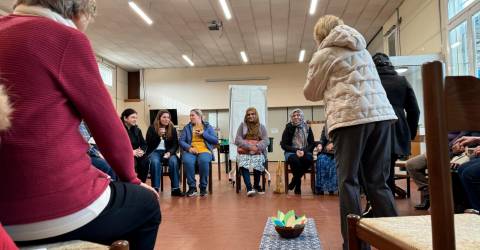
{"points": [[469, 174], [256, 179], [103, 166], [156, 170], [203, 161]]}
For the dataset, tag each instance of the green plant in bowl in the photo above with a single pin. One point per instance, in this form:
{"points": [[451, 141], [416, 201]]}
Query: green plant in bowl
{"points": [[289, 225]]}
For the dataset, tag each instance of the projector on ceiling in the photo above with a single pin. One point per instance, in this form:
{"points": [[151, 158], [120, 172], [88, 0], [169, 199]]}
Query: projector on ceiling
{"points": [[215, 25]]}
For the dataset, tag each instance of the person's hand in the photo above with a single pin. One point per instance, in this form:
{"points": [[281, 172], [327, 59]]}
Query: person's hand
{"points": [[330, 147], [467, 140], [198, 132], [319, 148], [457, 148], [150, 188], [140, 152], [193, 150], [253, 148], [476, 152], [135, 152], [300, 153], [166, 155]]}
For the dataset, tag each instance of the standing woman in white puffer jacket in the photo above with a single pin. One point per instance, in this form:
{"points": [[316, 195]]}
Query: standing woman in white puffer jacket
{"points": [[358, 116]]}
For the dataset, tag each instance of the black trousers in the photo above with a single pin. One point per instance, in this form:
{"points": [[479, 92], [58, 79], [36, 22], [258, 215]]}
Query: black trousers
{"points": [[299, 166], [141, 167], [360, 151], [133, 214]]}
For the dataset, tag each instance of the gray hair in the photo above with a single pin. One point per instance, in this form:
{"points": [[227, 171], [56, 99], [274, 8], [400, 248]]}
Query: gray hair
{"points": [[198, 112], [66, 8]]}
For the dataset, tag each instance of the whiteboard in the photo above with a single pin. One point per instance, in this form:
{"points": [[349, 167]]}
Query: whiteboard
{"points": [[241, 98]]}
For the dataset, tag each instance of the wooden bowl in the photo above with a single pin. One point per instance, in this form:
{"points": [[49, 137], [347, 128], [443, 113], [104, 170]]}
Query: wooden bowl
{"points": [[290, 232]]}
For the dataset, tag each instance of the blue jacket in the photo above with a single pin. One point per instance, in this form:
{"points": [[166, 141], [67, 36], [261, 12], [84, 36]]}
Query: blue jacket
{"points": [[209, 137]]}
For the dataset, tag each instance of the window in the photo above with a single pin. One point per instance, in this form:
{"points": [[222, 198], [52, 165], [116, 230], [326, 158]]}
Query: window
{"points": [[476, 40], [456, 6], [458, 50], [392, 43], [107, 73]]}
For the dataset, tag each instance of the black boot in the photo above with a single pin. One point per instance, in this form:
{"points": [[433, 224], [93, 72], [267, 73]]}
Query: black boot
{"points": [[298, 185], [291, 185], [424, 201]]}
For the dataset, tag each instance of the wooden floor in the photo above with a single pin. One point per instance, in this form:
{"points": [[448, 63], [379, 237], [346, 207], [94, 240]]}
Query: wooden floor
{"points": [[227, 220]]}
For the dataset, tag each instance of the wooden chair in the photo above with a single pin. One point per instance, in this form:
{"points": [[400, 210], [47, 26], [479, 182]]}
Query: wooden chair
{"points": [[403, 175], [238, 177], [287, 170], [448, 106], [78, 244]]}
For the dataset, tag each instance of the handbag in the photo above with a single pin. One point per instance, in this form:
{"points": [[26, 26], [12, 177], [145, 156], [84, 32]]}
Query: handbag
{"points": [[243, 151]]}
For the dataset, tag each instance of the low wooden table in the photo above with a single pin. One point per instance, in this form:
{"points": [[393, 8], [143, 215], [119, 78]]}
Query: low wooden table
{"points": [[307, 240]]}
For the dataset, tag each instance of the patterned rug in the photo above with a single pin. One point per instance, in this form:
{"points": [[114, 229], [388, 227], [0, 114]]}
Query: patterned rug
{"points": [[307, 240]]}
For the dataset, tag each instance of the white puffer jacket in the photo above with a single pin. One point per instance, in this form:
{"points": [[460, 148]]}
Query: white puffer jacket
{"points": [[342, 73]]}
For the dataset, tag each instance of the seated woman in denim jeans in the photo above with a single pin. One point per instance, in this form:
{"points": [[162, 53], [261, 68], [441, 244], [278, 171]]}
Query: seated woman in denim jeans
{"points": [[197, 141], [326, 174], [252, 142], [162, 145], [298, 144]]}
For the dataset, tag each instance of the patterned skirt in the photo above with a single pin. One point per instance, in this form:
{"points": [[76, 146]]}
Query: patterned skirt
{"points": [[326, 176], [251, 162]]}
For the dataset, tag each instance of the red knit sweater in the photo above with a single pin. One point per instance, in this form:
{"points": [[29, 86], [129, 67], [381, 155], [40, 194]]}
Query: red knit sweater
{"points": [[52, 79]]}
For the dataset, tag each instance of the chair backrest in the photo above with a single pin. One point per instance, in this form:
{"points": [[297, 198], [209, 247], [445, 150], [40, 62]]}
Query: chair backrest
{"points": [[451, 104]]}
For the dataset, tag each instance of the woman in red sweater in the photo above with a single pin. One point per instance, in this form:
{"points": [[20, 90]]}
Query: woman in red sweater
{"points": [[48, 190]]}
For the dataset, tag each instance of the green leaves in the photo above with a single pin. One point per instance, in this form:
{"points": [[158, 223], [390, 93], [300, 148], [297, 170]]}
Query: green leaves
{"points": [[289, 219]]}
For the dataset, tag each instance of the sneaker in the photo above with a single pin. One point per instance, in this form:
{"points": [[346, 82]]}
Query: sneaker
{"points": [[177, 192], [251, 193], [191, 192], [203, 192]]}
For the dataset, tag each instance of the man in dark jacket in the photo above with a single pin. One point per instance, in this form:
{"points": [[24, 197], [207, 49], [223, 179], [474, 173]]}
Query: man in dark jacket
{"points": [[402, 98]]}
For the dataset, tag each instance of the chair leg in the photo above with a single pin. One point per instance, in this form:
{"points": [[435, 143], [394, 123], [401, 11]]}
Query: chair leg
{"points": [[184, 179], [312, 179], [408, 185], [354, 242], [219, 172], [210, 179], [285, 166], [238, 181]]}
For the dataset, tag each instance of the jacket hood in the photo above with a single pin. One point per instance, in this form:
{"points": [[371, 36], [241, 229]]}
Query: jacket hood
{"points": [[344, 36]]}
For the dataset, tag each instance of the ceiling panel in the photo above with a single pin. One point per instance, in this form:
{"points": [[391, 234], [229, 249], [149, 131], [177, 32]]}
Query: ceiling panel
{"points": [[269, 31]]}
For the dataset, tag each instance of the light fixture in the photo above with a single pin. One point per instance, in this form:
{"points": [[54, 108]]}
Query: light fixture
{"points": [[140, 12], [226, 10], [401, 70], [186, 58], [454, 45], [313, 7], [244, 56], [301, 56]]}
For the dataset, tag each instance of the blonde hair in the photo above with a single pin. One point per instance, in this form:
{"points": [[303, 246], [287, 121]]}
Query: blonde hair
{"points": [[323, 27], [66, 8]]}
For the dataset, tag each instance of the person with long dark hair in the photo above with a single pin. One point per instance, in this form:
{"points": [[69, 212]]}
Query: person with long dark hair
{"points": [[252, 142], [162, 146]]}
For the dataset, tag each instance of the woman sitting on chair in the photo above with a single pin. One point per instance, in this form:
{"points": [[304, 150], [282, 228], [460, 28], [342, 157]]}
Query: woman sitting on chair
{"points": [[326, 179], [252, 142], [298, 144], [162, 145], [139, 146], [197, 141]]}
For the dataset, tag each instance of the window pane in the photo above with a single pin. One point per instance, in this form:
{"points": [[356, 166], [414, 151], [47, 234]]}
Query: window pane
{"points": [[455, 6], [476, 37], [107, 74], [458, 50]]}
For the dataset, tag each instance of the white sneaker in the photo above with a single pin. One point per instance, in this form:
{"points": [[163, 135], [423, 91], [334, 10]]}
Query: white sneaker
{"points": [[251, 193]]}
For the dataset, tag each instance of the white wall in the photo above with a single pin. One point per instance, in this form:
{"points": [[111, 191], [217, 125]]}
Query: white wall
{"points": [[420, 31]]}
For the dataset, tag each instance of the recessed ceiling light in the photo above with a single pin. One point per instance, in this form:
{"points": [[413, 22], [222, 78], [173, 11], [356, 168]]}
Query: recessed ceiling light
{"points": [[244, 56], [140, 12], [301, 56], [226, 10], [186, 58], [313, 7]]}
